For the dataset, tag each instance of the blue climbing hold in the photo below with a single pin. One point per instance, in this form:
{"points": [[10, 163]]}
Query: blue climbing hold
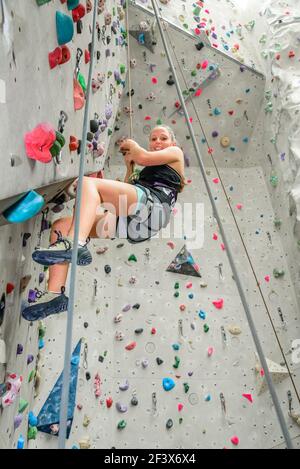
{"points": [[64, 28], [32, 419], [41, 344], [207, 398], [25, 208], [191, 296], [141, 38], [72, 4], [168, 384], [217, 111], [202, 314], [20, 443], [176, 346], [246, 140]]}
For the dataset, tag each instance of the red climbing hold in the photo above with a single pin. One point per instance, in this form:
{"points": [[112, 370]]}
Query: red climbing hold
{"points": [[55, 57], [153, 331], [198, 92], [78, 12], [87, 56], [74, 144], [109, 402], [130, 346], [39, 141], [291, 54], [154, 80], [9, 288]]}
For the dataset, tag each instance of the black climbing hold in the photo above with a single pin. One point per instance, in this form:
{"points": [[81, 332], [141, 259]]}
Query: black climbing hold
{"points": [[140, 106], [136, 306], [199, 46], [131, 92], [90, 47], [79, 147], [120, 245], [101, 359], [134, 401], [89, 136], [107, 269], [86, 324], [88, 375], [170, 81], [116, 129], [98, 55], [94, 125], [2, 308], [139, 331], [108, 39], [159, 361], [79, 27], [25, 237], [169, 424]]}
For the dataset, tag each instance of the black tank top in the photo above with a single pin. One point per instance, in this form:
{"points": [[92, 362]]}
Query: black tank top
{"points": [[160, 177]]}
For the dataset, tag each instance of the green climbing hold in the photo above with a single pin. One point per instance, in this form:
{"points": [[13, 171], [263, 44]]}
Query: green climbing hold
{"points": [[22, 405], [109, 132], [60, 138], [176, 286], [55, 149], [177, 362], [122, 424], [194, 73], [278, 273], [122, 68], [274, 179], [277, 223], [132, 257], [206, 328], [186, 387], [32, 433], [42, 2], [176, 294], [31, 375], [81, 80], [159, 122], [42, 331]]}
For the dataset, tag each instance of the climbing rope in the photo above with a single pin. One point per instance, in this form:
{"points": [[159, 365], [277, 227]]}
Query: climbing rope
{"points": [[235, 220], [68, 345], [260, 352]]}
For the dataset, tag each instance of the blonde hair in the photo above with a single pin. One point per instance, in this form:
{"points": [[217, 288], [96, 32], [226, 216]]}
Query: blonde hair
{"points": [[173, 139]]}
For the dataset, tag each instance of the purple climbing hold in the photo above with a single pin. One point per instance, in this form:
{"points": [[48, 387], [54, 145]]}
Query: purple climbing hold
{"points": [[215, 133], [18, 420], [121, 407], [126, 308], [30, 359], [20, 349], [41, 277], [31, 296]]}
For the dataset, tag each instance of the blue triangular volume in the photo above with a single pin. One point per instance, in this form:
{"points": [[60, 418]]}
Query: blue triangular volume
{"points": [[184, 264], [49, 413]]}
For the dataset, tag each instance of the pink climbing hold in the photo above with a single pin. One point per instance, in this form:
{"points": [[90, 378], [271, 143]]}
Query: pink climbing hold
{"points": [[147, 118], [189, 285], [197, 31], [180, 407], [97, 382], [223, 246], [154, 80], [267, 278], [216, 180], [198, 92], [249, 397], [219, 303], [239, 206], [204, 64], [39, 141], [215, 236], [235, 440], [130, 346], [210, 351], [196, 267], [171, 244], [182, 307]]}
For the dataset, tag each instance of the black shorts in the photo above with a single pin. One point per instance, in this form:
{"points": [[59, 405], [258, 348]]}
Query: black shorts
{"points": [[147, 221]]}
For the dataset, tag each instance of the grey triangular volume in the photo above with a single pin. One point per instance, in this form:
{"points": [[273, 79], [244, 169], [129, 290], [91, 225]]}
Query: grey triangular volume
{"points": [[184, 264], [145, 38]]}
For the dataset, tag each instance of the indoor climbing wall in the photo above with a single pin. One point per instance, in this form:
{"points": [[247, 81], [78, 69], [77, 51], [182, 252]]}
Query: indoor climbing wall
{"points": [[45, 48], [162, 353], [167, 358]]}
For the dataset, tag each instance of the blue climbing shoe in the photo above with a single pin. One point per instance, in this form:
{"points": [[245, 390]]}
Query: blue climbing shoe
{"points": [[60, 252], [47, 303]]}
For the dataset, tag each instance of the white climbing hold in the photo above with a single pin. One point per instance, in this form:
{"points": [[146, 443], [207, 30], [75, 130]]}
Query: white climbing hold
{"points": [[235, 330]]}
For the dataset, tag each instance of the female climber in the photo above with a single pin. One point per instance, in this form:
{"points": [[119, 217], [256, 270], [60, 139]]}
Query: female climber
{"points": [[134, 211]]}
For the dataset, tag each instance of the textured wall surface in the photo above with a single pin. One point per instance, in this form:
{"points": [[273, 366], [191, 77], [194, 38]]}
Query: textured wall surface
{"points": [[239, 177]]}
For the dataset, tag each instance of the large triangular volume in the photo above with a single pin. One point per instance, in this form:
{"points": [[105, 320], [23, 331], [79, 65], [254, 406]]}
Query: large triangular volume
{"points": [[145, 38], [277, 372], [184, 264], [49, 413]]}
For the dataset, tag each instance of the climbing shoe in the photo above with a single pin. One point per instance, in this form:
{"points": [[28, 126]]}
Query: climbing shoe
{"points": [[60, 252], [46, 303]]}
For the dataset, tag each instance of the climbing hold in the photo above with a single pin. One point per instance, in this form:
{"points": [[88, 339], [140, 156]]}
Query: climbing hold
{"points": [[121, 407], [168, 384], [64, 28], [205, 328], [153, 331], [39, 141], [107, 269], [182, 307], [169, 424], [124, 386], [179, 407], [159, 361], [32, 419], [87, 375], [78, 12], [122, 424], [175, 346], [210, 351], [186, 387], [225, 142], [217, 111], [31, 375], [145, 363], [109, 402], [126, 308], [219, 303], [20, 442], [22, 405], [177, 362], [239, 206], [20, 349], [139, 331], [202, 314], [30, 359], [84, 443], [278, 273], [32, 433], [248, 396], [17, 421], [134, 401], [130, 346], [235, 330], [207, 398], [235, 440]]}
